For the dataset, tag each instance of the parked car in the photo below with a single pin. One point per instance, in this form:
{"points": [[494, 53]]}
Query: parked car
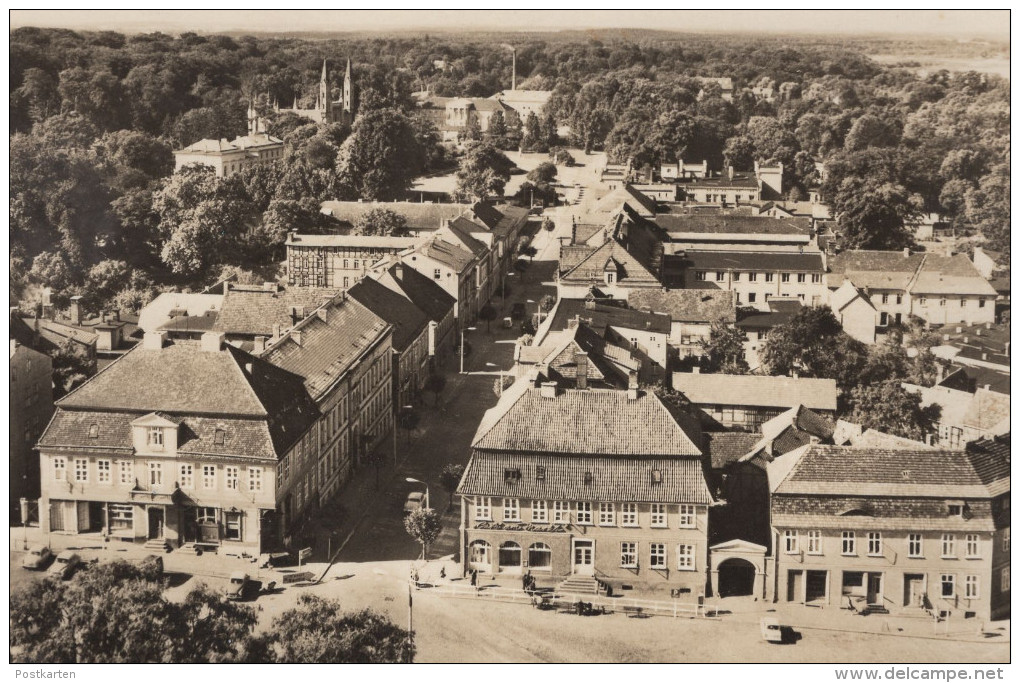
{"points": [[237, 586], [415, 499], [37, 557], [65, 564], [517, 311], [770, 630]]}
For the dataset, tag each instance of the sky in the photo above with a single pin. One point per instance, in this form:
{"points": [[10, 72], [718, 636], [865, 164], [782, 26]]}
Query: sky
{"points": [[954, 23]]}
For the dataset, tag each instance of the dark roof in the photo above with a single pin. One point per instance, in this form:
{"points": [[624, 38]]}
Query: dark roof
{"points": [[1000, 284], [925, 473], [728, 224], [724, 448], [321, 348], [462, 228], [874, 269], [191, 323], [422, 291], [256, 311], [687, 305], [738, 180], [611, 256], [615, 479], [600, 316], [448, 254], [407, 319], [967, 378], [746, 261], [764, 321], [584, 422]]}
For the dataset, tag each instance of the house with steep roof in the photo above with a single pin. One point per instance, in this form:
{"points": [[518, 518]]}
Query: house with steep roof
{"points": [[561, 485], [578, 357], [610, 268], [855, 312], [692, 313], [422, 218], [343, 353], [453, 268], [747, 401], [177, 443], [895, 530], [427, 296]]}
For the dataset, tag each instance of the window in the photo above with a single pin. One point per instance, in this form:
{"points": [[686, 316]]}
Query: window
{"points": [[607, 514], [561, 511], [972, 546], [963, 304], [209, 476], [948, 545], [233, 526], [59, 469], [127, 472], [483, 509], [816, 278], [628, 514], [255, 478], [584, 512], [784, 277], [955, 509], [948, 585], [1004, 580], [103, 471], [736, 276], [720, 276], [899, 299], [942, 301], [187, 477], [801, 278], [685, 557], [981, 303], [219, 437], [509, 555], [752, 277], [874, 543], [94, 431], [81, 469], [628, 554], [231, 477], [539, 511], [479, 553], [657, 555], [609, 278], [511, 510], [154, 438], [915, 545], [885, 298], [790, 541], [121, 516], [656, 476], [849, 543], [700, 275], [1005, 540], [437, 274], [770, 277], [540, 556], [658, 515], [687, 516], [155, 474], [751, 297], [814, 542], [970, 587], [923, 301], [540, 472]]}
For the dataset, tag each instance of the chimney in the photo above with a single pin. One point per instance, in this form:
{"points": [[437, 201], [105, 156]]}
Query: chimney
{"points": [[75, 310], [513, 77], [978, 331], [984, 356], [589, 303], [212, 341], [322, 313], [292, 236], [548, 390], [959, 329], [795, 374], [277, 331], [398, 271], [581, 369], [260, 345], [116, 315], [296, 336], [269, 286], [153, 340], [906, 252], [988, 387], [632, 385], [102, 317], [248, 368], [929, 439]]}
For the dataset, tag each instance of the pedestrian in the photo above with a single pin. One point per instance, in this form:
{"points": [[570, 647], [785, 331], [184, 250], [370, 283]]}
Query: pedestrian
{"points": [[442, 572], [474, 577]]}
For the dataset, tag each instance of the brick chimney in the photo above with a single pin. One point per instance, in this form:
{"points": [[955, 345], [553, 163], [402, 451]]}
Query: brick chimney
{"points": [[632, 386], [212, 342], [581, 369], [75, 310], [260, 345], [548, 390]]}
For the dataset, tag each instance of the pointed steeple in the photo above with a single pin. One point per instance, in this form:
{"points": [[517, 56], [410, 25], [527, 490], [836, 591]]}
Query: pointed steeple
{"points": [[323, 104], [348, 97]]}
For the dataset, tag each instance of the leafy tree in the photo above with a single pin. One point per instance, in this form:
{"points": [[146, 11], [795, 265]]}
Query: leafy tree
{"points": [[483, 171], [872, 214], [423, 525], [71, 367], [382, 156], [52, 270], [449, 478], [545, 172], [514, 129], [561, 156], [532, 140], [495, 134], [318, 632], [542, 193], [474, 130], [488, 314], [724, 350], [381, 222], [888, 407], [547, 303], [500, 384], [739, 153]]}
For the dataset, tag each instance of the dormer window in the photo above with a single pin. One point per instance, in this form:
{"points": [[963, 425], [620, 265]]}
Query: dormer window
{"points": [[93, 431], [154, 438], [656, 476], [956, 508], [220, 437], [540, 472], [511, 475]]}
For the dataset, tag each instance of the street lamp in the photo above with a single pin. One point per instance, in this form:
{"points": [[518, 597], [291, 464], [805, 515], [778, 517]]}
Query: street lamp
{"points": [[462, 331], [493, 365], [412, 480]]}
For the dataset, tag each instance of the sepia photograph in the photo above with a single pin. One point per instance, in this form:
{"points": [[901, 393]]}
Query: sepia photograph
{"points": [[510, 337]]}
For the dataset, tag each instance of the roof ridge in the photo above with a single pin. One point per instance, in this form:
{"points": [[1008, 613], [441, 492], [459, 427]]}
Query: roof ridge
{"points": [[233, 351], [917, 273], [60, 401]]}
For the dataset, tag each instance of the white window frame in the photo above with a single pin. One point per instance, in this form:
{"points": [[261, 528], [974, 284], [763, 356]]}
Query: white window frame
{"points": [[685, 557], [814, 542], [230, 519], [720, 276], [539, 512], [688, 516], [560, 512], [208, 477], [511, 509], [255, 479], [81, 470], [154, 438], [949, 546], [874, 544], [1005, 540], [791, 542], [127, 472], [628, 554], [658, 516], [848, 546], [155, 474], [59, 469], [584, 512], [629, 515], [187, 475], [483, 508], [951, 580], [912, 541], [972, 586], [973, 547], [752, 277], [104, 471], [657, 556], [607, 514], [231, 477]]}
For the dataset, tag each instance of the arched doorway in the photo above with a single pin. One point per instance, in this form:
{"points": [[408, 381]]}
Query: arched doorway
{"points": [[736, 577], [478, 556], [510, 558]]}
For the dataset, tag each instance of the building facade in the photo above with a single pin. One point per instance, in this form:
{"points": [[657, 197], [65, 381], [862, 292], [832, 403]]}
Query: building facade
{"points": [[30, 390], [337, 261], [229, 157]]}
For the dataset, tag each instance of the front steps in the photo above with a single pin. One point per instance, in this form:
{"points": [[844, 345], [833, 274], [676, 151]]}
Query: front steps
{"points": [[581, 585]]}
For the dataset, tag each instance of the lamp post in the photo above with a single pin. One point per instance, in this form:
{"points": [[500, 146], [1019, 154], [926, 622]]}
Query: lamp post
{"points": [[493, 365], [412, 480], [462, 331]]}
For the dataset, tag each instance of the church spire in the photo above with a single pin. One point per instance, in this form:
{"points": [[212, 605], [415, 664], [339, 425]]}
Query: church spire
{"points": [[348, 98], [324, 101]]}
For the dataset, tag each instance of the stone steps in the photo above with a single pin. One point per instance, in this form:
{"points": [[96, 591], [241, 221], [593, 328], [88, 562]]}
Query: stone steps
{"points": [[585, 585]]}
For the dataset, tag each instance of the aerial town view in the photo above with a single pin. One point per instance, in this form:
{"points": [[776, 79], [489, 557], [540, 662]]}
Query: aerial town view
{"points": [[510, 337]]}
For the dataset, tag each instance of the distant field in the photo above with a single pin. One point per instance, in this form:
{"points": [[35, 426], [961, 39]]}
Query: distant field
{"points": [[999, 66]]}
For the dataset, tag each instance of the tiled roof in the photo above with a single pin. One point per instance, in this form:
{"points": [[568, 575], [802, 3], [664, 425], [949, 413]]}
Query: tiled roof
{"points": [[190, 323], [729, 224], [57, 333], [922, 472], [258, 311], [407, 319], [765, 321], [419, 216], [423, 292], [158, 311], [585, 422], [950, 275], [460, 230], [625, 195], [448, 254], [872, 438], [967, 378], [613, 479], [611, 256], [322, 350], [747, 261], [756, 390], [602, 315], [572, 255], [987, 410], [991, 458], [874, 269], [727, 447], [687, 305]]}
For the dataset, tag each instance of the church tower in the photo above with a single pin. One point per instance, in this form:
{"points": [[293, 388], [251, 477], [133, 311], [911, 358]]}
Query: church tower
{"points": [[324, 101], [348, 91]]}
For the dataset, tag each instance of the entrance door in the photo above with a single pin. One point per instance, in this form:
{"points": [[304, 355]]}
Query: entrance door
{"points": [[874, 588], [795, 586], [156, 522], [817, 586], [913, 590], [584, 557]]}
